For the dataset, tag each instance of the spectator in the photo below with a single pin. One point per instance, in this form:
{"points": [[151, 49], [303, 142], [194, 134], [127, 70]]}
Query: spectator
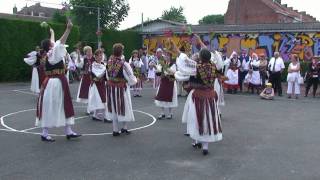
{"points": [[313, 76], [293, 76], [276, 67]]}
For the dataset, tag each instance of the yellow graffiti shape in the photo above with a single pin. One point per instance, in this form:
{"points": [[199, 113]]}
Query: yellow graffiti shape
{"points": [[249, 43], [223, 41], [306, 40]]}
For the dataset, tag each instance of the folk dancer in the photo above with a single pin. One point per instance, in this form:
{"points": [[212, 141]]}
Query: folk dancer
{"points": [[119, 79], [137, 66], [232, 74], [166, 97], [255, 79], [201, 109], [55, 108], [36, 59], [97, 91], [85, 65]]}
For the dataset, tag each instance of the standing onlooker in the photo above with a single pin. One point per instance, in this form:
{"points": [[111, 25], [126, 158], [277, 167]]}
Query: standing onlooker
{"points": [[313, 76], [276, 66], [293, 76], [244, 67], [263, 70]]}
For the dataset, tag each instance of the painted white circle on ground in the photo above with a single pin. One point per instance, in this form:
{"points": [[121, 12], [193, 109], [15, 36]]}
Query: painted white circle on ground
{"points": [[26, 131]]}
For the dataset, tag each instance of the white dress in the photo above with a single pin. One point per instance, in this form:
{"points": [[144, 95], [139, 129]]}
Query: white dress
{"points": [[31, 60], [189, 115], [255, 78], [94, 100], [174, 102], [53, 114], [131, 80]]}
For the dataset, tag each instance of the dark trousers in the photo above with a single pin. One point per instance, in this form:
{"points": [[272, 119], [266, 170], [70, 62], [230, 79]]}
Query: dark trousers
{"points": [[263, 77], [275, 79], [312, 82], [242, 76]]}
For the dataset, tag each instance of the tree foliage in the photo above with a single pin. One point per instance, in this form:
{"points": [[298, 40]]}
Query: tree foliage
{"points": [[174, 14], [59, 17], [212, 19], [112, 12]]}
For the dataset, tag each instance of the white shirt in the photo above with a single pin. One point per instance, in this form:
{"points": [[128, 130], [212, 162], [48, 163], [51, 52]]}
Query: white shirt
{"points": [[279, 64]]}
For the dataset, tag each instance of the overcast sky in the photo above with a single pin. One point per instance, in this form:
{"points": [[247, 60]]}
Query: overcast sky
{"points": [[194, 10]]}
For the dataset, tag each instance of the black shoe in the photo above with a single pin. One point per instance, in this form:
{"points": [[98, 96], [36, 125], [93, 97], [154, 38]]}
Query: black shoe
{"points": [[73, 136], [125, 131], [205, 152], [107, 121], [186, 134], [162, 116], [115, 134], [95, 119], [139, 95], [197, 145], [47, 139]]}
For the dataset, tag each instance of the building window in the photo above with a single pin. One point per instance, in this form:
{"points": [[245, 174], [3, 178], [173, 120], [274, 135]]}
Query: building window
{"points": [[41, 14]]}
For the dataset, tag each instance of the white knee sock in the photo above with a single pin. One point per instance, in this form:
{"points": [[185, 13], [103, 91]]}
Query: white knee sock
{"points": [[68, 130], [125, 125], [45, 132], [115, 125], [205, 145]]}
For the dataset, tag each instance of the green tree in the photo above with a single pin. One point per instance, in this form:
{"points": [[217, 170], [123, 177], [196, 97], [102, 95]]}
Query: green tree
{"points": [[174, 14], [112, 12], [212, 19], [59, 17]]}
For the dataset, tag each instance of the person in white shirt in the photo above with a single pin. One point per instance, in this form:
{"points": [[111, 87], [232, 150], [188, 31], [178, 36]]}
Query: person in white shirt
{"points": [[293, 76], [276, 67]]}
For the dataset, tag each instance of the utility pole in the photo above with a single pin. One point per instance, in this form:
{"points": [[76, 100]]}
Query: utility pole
{"points": [[99, 29]]}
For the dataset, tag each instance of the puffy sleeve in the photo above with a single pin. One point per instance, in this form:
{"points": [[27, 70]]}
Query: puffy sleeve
{"points": [[128, 74], [57, 53], [186, 66], [31, 58], [80, 63], [217, 60]]}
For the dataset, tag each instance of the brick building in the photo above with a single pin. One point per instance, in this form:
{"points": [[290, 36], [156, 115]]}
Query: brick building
{"points": [[263, 11]]}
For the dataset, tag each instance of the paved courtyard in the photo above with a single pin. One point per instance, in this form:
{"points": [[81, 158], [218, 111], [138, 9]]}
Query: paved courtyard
{"points": [[265, 140]]}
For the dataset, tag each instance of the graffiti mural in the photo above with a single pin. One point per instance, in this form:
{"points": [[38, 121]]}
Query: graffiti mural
{"points": [[305, 45]]}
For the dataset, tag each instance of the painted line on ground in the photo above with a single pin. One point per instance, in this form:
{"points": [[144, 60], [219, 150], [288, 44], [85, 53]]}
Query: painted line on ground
{"points": [[26, 131]]}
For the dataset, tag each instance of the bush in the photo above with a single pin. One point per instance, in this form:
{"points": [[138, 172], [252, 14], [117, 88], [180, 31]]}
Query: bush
{"points": [[131, 41], [18, 38]]}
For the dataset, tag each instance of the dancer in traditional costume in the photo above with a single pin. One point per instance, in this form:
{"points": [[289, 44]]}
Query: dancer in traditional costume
{"points": [[232, 64], [167, 97], [159, 55], [55, 108], [97, 91], [119, 79], [255, 80], [137, 65], [85, 64], [36, 60], [201, 109]]}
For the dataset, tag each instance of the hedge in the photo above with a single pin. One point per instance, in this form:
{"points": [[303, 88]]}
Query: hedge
{"points": [[130, 39], [18, 38]]}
